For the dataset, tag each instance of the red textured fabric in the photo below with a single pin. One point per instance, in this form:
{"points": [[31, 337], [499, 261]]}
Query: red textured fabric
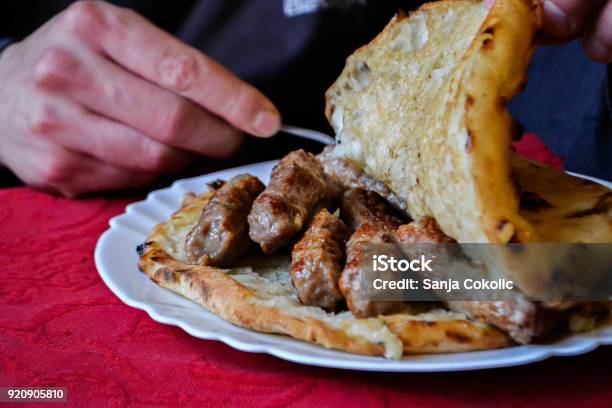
{"points": [[533, 147], [60, 326]]}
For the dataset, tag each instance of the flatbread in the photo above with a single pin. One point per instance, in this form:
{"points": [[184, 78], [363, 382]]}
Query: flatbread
{"points": [[422, 109], [258, 295], [562, 207]]}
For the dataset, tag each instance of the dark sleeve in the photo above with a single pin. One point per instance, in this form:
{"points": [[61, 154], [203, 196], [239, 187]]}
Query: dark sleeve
{"points": [[609, 89], [5, 42]]}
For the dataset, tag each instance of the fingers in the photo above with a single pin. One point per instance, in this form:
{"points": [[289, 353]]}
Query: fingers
{"points": [[94, 176], [591, 19], [598, 41], [563, 19], [72, 174], [56, 121], [106, 89], [149, 52]]}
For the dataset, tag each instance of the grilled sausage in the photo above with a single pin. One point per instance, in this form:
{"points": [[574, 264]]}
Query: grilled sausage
{"points": [[345, 175], [370, 238], [317, 260], [425, 231], [518, 317], [298, 189], [220, 237], [373, 221], [359, 206]]}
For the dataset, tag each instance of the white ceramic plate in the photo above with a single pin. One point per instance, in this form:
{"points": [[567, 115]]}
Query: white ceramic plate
{"points": [[116, 261]]}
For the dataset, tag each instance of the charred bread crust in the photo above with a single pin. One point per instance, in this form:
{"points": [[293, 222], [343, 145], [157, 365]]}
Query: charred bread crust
{"points": [[438, 335], [230, 300]]}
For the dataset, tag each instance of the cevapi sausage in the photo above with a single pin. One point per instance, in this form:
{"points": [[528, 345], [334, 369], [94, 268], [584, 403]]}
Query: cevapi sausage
{"points": [[354, 282], [317, 260], [373, 221], [345, 175], [359, 206], [424, 231], [516, 316], [221, 237], [297, 190]]}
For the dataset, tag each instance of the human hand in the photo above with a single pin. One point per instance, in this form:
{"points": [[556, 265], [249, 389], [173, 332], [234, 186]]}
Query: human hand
{"points": [[589, 19], [98, 98]]}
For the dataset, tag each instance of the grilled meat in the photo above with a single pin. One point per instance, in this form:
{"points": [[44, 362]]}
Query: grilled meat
{"points": [[317, 261], [369, 238], [220, 237], [359, 206], [345, 175], [298, 189]]}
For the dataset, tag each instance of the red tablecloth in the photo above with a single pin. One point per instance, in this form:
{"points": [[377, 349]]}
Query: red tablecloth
{"points": [[60, 326]]}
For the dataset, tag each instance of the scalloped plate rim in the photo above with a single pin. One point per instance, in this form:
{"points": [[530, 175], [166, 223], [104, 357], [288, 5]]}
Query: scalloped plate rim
{"points": [[282, 346]]}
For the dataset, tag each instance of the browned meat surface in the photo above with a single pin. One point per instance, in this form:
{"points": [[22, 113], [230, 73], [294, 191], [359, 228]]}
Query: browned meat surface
{"points": [[524, 320], [345, 175], [425, 231], [359, 206], [221, 237], [521, 319], [366, 241], [516, 315], [373, 221], [298, 189], [317, 260]]}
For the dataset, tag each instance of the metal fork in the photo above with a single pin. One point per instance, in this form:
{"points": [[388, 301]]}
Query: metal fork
{"points": [[308, 134]]}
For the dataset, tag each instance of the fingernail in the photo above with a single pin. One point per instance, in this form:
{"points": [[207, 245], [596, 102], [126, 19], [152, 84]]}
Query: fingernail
{"points": [[267, 123], [557, 21], [599, 51]]}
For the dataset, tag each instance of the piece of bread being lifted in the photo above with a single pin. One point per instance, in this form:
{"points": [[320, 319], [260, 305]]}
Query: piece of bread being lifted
{"points": [[422, 108]]}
